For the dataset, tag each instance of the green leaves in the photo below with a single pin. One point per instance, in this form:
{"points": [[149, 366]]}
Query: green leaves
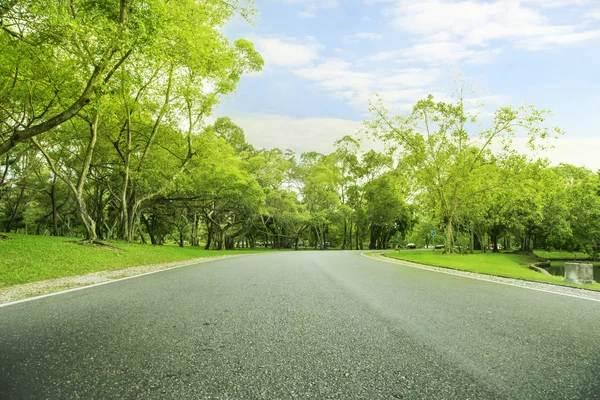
{"points": [[447, 154], [63, 56]]}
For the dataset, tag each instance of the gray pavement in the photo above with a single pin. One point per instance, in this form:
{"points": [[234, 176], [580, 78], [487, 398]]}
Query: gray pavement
{"points": [[306, 325]]}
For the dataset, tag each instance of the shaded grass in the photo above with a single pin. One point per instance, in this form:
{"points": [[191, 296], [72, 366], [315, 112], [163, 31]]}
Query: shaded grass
{"points": [[26, 258], [500, 264]]}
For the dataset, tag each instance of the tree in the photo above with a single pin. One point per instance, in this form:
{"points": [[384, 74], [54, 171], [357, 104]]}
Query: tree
{"points": [[60, 56], [584, 209], [443, 148], [319, 180], [387, 211]]}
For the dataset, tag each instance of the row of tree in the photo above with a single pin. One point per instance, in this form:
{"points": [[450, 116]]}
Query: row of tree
{"points": [[228, 194], [103, 135]]}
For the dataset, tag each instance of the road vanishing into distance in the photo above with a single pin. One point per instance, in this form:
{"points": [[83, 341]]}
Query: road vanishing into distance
{"points": [[306, 325]]}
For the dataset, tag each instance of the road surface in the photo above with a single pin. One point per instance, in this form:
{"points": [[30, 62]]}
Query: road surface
{"points": [[306, 325]]}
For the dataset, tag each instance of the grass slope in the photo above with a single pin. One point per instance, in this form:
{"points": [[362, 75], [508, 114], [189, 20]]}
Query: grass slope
{"points": [[25, 259], [501, 264]]}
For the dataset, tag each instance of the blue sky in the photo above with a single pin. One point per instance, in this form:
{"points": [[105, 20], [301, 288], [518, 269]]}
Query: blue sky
{"points": [[324, 58]]}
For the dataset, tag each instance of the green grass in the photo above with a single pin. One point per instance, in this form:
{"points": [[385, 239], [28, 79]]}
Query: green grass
{"points": [[500, 264], [25, 259], [549, 255], [596, 264]]}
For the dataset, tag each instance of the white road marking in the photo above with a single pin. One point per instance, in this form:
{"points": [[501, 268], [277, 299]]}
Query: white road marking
{"points": [[425, 267]]}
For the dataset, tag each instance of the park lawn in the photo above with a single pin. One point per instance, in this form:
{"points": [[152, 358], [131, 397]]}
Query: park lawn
{"points": [[549, 255], [500, 264], [27, 258]]}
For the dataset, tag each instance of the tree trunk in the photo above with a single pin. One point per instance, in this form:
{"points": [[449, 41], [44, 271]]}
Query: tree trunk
{"points": [[132, 218], [141, 234], [372, 239], [319, 242], [194, 235], [99, 208], [449, 237], [495, 244], [54, 209], [350, 237], [88, 222], [472, 241], [209, 237], [15, 211], [148, 228], [124, 228], [222, 239], [527, 242]]}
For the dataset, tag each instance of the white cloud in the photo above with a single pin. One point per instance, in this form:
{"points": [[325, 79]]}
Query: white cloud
{"points": [[558, 3], [383, 56], [466, 30], [287, 52], [297, 134], [441, 33], [578, 152], [351, 82], [571, 38], [319, 134], [411, 77], [399, 88], [475, 23], [312, 3], [310, 7], [336, 74], [363, 36], [435, 53], [446, 53], [307, 14]]}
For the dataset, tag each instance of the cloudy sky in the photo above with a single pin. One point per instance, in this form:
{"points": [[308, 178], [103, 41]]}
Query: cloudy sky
{"points": [[324, 58]]}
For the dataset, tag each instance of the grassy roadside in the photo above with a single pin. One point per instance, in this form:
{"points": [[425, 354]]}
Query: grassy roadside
{"points": [[25, 259], [500, 264], [560, 255]]}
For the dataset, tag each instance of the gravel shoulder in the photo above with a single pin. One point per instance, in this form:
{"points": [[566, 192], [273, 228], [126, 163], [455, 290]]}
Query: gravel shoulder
{"points": [[548, 287], [21, 292]]}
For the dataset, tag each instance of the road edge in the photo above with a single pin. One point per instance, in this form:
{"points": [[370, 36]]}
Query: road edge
{"points": [[53, 287], [531, 285]]}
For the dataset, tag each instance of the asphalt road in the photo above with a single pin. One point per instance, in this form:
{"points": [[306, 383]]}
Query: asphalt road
{"points": [[307, 325]]}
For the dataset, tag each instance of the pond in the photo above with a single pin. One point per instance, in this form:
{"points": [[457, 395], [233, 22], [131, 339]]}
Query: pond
{"points": [[557, 268]]}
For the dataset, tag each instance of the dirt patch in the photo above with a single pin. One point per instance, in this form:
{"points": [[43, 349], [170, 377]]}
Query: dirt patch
{"points": [[3, 238], [97, 245]]}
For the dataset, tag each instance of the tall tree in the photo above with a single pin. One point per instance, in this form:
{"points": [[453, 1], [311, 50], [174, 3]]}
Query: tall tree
{"points": [[442, 146]]}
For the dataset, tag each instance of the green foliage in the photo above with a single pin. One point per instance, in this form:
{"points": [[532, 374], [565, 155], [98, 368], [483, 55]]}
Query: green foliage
{"points": [[59, 57], [448, 154]]}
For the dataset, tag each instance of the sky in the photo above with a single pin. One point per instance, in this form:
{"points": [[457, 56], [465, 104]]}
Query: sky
{"points": [[324, 59]]}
